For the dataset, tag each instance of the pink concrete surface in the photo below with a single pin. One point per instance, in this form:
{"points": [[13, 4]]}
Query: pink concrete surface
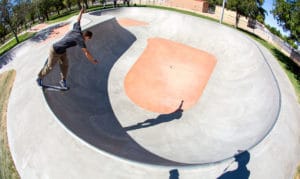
{"points": [[166, 73], [130, 22], [38, 27], [57, 33]]}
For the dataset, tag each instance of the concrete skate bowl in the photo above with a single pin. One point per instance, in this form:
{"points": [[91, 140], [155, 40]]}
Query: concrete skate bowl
{"points": [[235, 111]]}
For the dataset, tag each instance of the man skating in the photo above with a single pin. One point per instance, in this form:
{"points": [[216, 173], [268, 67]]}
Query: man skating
{"points": [[58, 52]]}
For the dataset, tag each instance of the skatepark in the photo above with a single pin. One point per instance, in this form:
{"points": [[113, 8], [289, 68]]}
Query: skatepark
{"points": [[171, 91]]}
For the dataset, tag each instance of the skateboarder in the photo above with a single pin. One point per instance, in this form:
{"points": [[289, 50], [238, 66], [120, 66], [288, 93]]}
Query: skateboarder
{"points": [[58, 52]]}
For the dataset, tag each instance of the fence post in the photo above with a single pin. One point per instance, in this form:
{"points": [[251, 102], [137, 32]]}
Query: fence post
{"points": [[221, 19]]}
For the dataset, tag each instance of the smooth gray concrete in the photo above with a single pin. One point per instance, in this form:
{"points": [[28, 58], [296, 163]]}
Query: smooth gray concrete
{"points": [[248, 104]]}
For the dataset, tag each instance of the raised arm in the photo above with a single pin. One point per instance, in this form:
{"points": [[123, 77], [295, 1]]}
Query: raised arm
{"points": [[89, 56], [80, 14]]}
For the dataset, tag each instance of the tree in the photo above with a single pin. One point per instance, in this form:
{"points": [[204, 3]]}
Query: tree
{"points": [[103, 2], [32, 12], [287, 14], [68, 4], [251, 8], [248, 8], [8, 18], [260, 18], [92, 1], [58, 4], [21, 12], [213, 3], [3, 33], [79, 4], [86, 4], [273, 30], [44, 8]]}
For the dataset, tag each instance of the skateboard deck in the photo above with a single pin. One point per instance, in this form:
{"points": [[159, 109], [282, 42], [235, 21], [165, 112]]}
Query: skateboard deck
{"points": [[54, 88]]}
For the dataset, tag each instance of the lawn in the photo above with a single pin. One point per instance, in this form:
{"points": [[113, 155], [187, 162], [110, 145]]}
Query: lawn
{"points": [[297, 176], [7, 167], [13, 42]]}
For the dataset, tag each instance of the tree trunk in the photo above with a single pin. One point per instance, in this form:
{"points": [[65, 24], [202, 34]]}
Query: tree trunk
{"points": [[57, 10], [16, 36], [69, 6], [78, 5], [46, 16], [86, 4], [40, 18]]}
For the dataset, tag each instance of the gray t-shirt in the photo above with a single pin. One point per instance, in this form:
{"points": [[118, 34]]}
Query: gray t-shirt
{"points": [[72, 38]]}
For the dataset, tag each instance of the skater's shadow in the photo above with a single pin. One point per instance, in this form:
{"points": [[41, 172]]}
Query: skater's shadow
{"points": [[241, 172], [160, 119]]}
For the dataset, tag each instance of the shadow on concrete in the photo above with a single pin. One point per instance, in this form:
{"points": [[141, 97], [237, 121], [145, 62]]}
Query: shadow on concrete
{"points": [[241, 172], [85, 109], [96, 13], [174, 174], [160, 119], [6, 58]]}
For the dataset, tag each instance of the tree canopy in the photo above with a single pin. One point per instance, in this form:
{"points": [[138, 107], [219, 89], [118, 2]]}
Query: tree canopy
{"points": [[10, 18], [287, 14], [250, 8]]}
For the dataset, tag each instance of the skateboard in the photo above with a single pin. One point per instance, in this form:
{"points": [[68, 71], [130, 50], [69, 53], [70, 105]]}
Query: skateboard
{"points": [[54, 88]]}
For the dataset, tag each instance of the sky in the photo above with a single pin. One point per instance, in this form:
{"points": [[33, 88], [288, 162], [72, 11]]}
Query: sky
{"points": [[268, 6]]}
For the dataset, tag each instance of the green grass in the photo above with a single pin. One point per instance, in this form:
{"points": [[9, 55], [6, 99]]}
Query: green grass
{"points": [[62, 17], [7, 167], [96, 8], [13, 42], [297, 175]]}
